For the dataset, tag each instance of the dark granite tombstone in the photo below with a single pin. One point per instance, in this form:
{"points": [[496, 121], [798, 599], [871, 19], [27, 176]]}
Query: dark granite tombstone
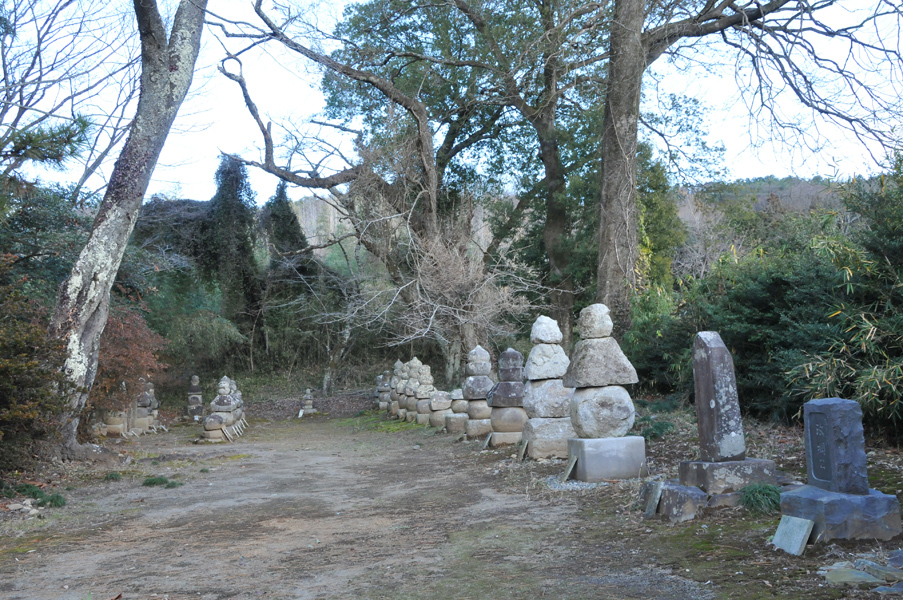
{"points": [[717, 407], [837, 498]]}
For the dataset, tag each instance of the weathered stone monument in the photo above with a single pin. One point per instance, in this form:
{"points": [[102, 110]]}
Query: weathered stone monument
{"points": [[506, 400], [382, 392], [601, 410], [195, 399], [307, 407], [723, 470], [440, 407], [837, 498], [476, 388], [546, 399], [226, 420], [396, 385]]}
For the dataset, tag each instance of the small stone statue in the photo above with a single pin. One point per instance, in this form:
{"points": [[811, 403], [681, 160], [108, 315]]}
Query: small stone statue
{"points": [[226, 420]]}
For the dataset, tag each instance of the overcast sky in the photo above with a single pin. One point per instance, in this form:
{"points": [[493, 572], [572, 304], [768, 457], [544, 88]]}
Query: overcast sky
{"points": [[214, 119]]}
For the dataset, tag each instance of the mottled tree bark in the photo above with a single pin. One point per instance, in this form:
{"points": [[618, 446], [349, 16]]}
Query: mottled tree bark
{"points": [[84, 299], [618, 248]]}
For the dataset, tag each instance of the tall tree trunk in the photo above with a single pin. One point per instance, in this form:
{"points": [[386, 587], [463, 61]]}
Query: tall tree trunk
{"points": [[618, 248], [84, 299]]}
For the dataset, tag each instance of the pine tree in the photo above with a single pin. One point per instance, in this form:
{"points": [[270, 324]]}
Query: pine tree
{"points": [[281, 224]]}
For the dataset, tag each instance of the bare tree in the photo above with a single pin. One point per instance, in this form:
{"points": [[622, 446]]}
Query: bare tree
{"points": [[67, 84], [792, 50], [167, 61]]}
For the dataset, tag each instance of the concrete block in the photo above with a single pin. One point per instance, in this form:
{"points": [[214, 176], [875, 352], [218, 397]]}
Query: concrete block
{"points": [[608, 458], [505, 438]]}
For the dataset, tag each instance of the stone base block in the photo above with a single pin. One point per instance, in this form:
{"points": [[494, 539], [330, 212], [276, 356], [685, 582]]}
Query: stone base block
{"points": [[437, 417], [478, 409], [459, 406], [393, 409], [411, 416], [681, 503], [402, 414], [423, 419], [548, 438], [508, 420], [477, 428], [505, 438], [383, 406], [215, 435], [844, 516], [608, 458], [456, 423], [728, 476]]}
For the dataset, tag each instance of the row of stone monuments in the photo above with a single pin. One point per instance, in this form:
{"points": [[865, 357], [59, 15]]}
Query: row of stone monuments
{"points": [[141, 416], [226, 421], [567, 408]]}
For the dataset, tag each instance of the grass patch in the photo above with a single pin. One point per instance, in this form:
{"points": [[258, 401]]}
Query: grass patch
{"points": [[761, 499], [373, 420], [32, 491], [53, 501], [114, 476], [173, 484], [152, 481]]}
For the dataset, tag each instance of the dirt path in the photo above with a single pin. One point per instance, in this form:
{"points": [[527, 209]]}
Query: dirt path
{"points": [[326, 509]]}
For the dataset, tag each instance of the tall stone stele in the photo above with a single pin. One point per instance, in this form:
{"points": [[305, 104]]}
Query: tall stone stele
{"points": [[723, 467], [723, 470], [601, 410], [837, 498]]}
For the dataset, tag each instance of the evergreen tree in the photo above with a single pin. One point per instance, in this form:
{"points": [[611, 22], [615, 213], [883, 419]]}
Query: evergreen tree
{"points": [[281, 224], [226, 251]]}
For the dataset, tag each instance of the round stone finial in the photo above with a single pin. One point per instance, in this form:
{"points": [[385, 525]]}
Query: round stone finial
{"points": [[414, 364], [594, 322], [478, 354], [195, 380], [545, 331], [398, 366], [223, 386]]}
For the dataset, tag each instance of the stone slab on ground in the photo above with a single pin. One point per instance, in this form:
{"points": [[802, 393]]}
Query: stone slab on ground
{"points": [[792, 534], [681, 502], [501, 438], [608, 458], [456, 423], [651, 495], [477, 428], [547, 399], [835, 446], [844, 516], [717, 407], [728, 476], [548, 438], [599, 362]]}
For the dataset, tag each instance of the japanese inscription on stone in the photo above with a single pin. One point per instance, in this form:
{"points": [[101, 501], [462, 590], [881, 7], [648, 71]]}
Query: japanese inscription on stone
{"points": [[818, 440]]}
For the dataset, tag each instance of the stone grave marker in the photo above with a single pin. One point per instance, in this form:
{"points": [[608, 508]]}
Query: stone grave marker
{"points": [[717, 406], [792, 534]]}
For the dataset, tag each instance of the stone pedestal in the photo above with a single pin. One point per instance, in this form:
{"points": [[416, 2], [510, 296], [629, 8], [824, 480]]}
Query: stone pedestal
{"points": [[728, 476], [437, 417], [500, 438], [478, 428], [423, 419], [608, 458], [456, 423], [681, 503], [844, 516], [548, 438]]}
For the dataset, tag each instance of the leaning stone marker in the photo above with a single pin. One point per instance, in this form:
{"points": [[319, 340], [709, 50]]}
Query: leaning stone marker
{"points": [[837, 498], [792, 534], [717, 407]]}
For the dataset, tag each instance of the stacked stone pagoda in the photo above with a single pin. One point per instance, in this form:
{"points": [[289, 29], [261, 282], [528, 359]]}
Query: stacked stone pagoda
{"points": [[408, 403], [440, 407], [195, 399], [396, 388], [546, 399], [226, 421], [601, 410], [837, 498], [715, 480], [506, 399], [382, 392], [476, 388], [422, 393]]}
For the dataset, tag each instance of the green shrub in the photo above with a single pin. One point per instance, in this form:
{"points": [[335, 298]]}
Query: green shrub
{"points": [[112, 477], [53, 501], [653, 429], [174, 484], [32, 491], [761, 498], [152, 481]]}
